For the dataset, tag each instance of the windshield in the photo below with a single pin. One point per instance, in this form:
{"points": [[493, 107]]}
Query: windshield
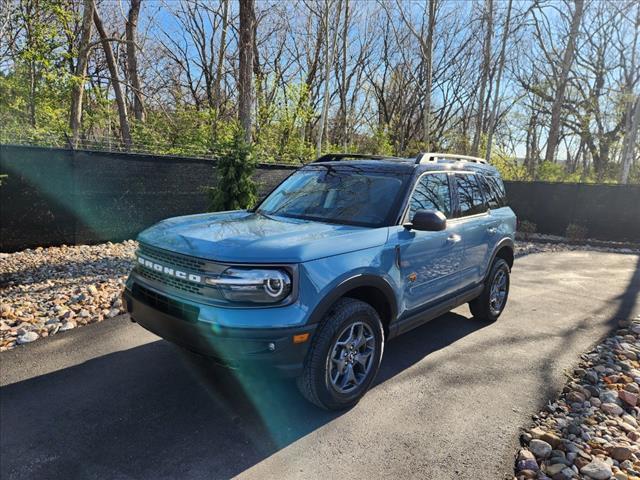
{"points": [[345, 195]]}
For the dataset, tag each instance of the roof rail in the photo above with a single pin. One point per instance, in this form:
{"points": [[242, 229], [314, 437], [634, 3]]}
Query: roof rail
{"points": [[332, 157], [436, 157]]}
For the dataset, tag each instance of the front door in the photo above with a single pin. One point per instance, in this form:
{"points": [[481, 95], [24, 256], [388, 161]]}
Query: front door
{"points": [[429, 261]]}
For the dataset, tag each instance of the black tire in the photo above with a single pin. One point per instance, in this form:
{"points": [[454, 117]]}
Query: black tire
{"points": [[315, 383], [482, 308]]}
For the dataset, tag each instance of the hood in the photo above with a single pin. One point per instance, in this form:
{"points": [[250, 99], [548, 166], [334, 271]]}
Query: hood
{"points": [[246, 237]]}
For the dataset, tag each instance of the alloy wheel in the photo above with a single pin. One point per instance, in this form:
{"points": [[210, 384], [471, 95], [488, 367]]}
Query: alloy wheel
{"points": [[498, 293], [351, 357]]}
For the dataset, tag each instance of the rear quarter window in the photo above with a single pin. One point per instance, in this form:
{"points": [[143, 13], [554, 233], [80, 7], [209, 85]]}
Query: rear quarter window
{"points": [[493, 190]]}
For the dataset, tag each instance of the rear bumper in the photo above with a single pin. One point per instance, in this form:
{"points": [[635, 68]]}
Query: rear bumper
{"points": [[237, 347]]}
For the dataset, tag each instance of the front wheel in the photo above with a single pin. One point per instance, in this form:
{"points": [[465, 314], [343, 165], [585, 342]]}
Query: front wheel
{"points": [[491, 302], [344, 357]]}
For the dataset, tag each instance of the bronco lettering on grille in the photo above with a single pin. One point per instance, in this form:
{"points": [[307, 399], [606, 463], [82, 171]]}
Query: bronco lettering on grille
{"points": [[191, 277]]}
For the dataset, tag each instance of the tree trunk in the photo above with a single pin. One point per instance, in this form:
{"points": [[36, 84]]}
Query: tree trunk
{"points": [[77, 93], [496, 93], [567, 62], [632, 114], [630, 141], [132, 60], [125, 131], [484, 77], [217, 90], [330, 50], [343, 89], [426, 134], [245, 75]]}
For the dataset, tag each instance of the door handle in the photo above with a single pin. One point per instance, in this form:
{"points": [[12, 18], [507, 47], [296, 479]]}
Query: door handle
{"points": [[492, 230], [454, 238]]}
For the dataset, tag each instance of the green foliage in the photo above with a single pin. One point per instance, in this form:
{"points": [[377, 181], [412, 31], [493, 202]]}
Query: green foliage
{"points": [[280, 130], [527, 228], [234, 188], [576, 231]]}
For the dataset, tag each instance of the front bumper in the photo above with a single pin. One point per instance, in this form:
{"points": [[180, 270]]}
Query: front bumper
{"points": [[181, 324]]}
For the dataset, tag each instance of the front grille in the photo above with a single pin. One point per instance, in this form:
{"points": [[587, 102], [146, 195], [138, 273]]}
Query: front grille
{"points": [[174, 282], [192, 264], [165, 305]]}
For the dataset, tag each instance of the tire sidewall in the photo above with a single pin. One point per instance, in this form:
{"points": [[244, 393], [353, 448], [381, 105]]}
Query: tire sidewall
{"points": [[327, 395], [499, 265]]}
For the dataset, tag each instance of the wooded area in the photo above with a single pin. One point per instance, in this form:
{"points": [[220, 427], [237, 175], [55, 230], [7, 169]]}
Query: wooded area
{"points": [[547, 89]]}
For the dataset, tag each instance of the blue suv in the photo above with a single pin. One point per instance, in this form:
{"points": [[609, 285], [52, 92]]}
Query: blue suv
{"points": [[345, 254]]}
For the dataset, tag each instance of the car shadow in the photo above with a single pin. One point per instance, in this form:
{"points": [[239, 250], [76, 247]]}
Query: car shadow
{"points": [[155, 411]]}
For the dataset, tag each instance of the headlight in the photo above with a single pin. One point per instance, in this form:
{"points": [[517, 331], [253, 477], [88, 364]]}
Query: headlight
{"points": [[253, 285]]}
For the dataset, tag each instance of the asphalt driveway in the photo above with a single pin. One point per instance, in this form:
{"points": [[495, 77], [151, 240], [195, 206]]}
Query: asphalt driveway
{"points": [[112, 401]]}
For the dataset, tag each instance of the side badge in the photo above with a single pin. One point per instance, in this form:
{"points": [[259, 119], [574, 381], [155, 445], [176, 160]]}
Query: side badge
{"points": [[412, 277]]}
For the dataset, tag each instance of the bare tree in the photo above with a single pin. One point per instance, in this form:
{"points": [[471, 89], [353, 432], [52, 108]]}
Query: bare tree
{"points": [[132, 60], [496, 93], [632, 105], [329, 55], [245, 76], [77, 91], [562, 80], [484, 76], [125, 130]]}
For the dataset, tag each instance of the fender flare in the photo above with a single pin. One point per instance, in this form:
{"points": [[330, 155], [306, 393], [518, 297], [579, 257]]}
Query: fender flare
{"points": [[350, 283], [505, 242]]}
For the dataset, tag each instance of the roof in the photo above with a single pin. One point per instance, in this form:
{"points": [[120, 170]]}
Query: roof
{"points": [[421, 163]]}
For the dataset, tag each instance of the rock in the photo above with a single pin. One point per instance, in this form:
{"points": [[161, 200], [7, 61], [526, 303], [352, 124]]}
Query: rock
{"points": [[581, 462], [612, 409], [530, 465], [552, 439], [629, 398], [527, 474], [84, 313], [591, 377], [574, 428], [632, 387], [540, 448], [575, 397], [525, 454], [621, 476], [608, 396], [566, 474], [597, 469], [67, 326], [27, 337], [620, 453], [595, 401], [554, 469]]}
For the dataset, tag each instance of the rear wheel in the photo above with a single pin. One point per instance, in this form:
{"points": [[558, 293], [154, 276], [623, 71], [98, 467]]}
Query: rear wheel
{"points": [[344, 357], [491, 302]]}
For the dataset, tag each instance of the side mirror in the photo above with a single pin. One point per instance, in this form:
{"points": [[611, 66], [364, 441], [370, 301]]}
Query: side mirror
{"points": [[428, 221]]}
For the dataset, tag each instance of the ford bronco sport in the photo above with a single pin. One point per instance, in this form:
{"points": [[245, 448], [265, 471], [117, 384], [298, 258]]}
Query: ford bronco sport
{"points": [[346, 253]]}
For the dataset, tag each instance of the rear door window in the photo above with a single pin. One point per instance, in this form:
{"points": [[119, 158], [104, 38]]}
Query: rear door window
{"points": [[470, 198], [431, 193]]}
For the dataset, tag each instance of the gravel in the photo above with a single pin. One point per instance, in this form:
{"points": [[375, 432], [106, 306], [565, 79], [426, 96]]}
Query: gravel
{"points": [[50, 290], [591, 431], [46, 291]]}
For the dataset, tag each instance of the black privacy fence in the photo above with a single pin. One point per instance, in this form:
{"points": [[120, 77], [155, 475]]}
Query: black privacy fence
{"points": [[55, 196]]}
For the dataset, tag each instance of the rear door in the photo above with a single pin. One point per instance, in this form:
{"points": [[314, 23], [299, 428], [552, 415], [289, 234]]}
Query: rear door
{"points": [[472, 217], [429, 261]]}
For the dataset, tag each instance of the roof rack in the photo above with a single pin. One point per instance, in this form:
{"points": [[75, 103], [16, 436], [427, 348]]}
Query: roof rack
{"points": [[332, 157], [436, 157]]}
